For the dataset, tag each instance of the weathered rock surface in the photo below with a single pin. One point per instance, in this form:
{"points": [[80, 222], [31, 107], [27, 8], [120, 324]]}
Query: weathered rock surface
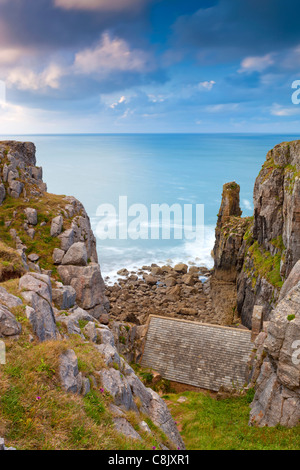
{"points": [[8, 324], [71, 378], [89, 287], [37, 291], [260, 252], [277, 398], [9, 300], [76, 255]]}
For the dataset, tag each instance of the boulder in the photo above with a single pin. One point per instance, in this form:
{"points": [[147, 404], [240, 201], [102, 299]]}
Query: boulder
{"points": [[66, 239], [76, 255], [122, 426], [2, 193], [8, 324], [116, 384], [9, 300], [71, 378], [31, 215], [64, 297], [56, 226], [88, 284], [181, 268], [58, 255]]}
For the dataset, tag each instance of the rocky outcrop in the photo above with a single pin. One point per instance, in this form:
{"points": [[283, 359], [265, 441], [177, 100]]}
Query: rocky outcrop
{"points": [[37, 292], [259, 253], [277, 361], [8, 324], [47, 232]]}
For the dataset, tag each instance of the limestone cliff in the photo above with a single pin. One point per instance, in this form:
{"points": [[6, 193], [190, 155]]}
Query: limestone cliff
{"points": [[258, 253]]}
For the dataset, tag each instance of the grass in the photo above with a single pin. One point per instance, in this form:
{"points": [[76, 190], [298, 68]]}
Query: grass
{"points": [[266, 265], [37, 414], [208, 424], [48, 206]]}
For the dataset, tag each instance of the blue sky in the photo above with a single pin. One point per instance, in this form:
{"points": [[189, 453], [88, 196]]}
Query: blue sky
{"points": [[149, 66]]}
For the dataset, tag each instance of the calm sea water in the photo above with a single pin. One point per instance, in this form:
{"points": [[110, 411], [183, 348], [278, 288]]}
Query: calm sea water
{"points": [[152, 169]]}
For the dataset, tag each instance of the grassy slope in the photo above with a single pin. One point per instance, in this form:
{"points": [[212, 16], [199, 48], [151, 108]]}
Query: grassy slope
{"points": [[208, 424], [58, 420]]}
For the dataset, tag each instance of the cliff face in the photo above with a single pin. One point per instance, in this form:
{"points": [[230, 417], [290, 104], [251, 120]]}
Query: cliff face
{"points": [[53, 321], [259, 256], [276, 364], [260, 252], [51, 234]]}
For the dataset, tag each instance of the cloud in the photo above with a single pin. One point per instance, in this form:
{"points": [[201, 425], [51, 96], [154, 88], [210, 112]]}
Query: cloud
{"points": [[108, 55], [281, 111], [231, 29], [222, 108], [10, 56], [25, 79], [247, 205], [99, 5], [256, 64], [206, 85], [120, 101]]}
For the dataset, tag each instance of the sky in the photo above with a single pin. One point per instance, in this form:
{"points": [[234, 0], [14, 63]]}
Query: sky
{"points": [[119, 66]]}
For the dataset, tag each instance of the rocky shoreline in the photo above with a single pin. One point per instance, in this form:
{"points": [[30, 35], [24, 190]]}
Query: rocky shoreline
{"points": [[181, 291]]}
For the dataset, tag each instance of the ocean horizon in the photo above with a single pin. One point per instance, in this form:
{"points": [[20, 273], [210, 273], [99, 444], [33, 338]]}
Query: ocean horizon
{"points": [[182, 169]]}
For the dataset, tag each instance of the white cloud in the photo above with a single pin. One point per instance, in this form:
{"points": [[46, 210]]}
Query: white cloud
{"points": [[110, 54], [98, 5], [120, 101], [206, 85], [25, 79], [256, 64], [221, 108], [247, 205], [278, 110], [10, 56]]}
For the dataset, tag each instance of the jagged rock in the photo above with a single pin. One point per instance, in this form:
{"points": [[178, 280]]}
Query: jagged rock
{"points": [[31, 215], [118, 387], [76, 255], [58, 256], [8, 324], [36, 289], [15, 188], [106, 336], [181, 268], [38, 283], [88, 284], [9, 300], [71, 378], [91, 332], [66, 239], [122, 426], [277, 398], [64, 297], [33, 257], [110, 354], [161, 416], [56, 226], [292, 281], [41, 316], [86, 386], [2, 193]]}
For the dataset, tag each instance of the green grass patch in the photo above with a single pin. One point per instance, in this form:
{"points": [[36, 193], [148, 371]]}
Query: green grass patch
{"points": [[208, 424]]}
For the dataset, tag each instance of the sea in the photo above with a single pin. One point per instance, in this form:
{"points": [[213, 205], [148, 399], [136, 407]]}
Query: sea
{"points": [[120, 178]]}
